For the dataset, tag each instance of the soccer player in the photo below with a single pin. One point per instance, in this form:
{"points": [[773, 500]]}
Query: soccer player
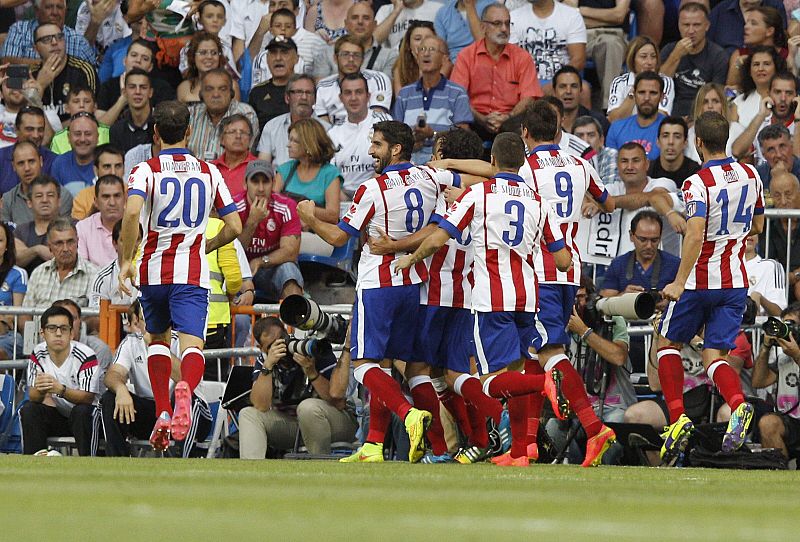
{"points": [[171, 196], [508, 222], [400, 201], [724, 205]]}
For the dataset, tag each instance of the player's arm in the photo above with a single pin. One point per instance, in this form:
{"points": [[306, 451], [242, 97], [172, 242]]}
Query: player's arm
{"points": [[661, 201], [477, 168], [230, 231], [758, 223], [127, 239], [383, 244], [330, 233], [429, 246], [690, 251]]}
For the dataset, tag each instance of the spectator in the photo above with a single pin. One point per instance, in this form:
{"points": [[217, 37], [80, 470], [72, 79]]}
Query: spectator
{"points": [[776, 146], [349, 55], [458, 23], [18, 47], [763, 28], [642, 57], [406, 69], [268, 98], [567, 84], [553, 33], [79, 334], [351, 139], [212, 18], [514, 83], [641, 127], [326, 18], [766, 279], [777, 108], [396, 18], [566, 141], [293, 393], [141, 153], [711, 97], [309, 174], [694, 60], [271, 234], [135, 125], [757, 71], [101, 23], [672, 162], [108, 161], [433, 103], [94, 232], [205, 54], [282, 29], [218, 103], [59, 71], [74, 169], [59, 373], [605, 37], [79, 99], [785, 190], [27, 163], [727, 21], [30, 126], [777, 364], [237, 134], [13, 100], [15, 283], [590, 130], [169, 29], [31, 237], [105, 284]]}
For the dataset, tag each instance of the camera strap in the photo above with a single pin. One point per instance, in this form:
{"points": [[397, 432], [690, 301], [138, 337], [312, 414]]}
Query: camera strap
{"points": [[375, 52], [656, 274]]}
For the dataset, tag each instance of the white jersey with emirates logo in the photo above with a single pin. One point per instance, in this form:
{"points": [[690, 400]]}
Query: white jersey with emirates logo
{"points": [[508, 221], [449, 271], [562, 179], [728, 195], [400, 202], [179, 191]]}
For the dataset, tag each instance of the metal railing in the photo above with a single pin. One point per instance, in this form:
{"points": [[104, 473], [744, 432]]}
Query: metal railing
{"points": [[779, 214]]}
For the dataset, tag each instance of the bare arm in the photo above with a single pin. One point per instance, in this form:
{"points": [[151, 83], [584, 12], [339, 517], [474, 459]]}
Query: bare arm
{"points": [[741, 146], [624, 110], [330, 213], [386, 245], [26, 254], [577, 55], [340, 378], [763, 376], [288, 251], [478, 168], [330, 233], [692, 244], [606, 17], [429, 246], [523, 104], [230, 231], [382, 31]]}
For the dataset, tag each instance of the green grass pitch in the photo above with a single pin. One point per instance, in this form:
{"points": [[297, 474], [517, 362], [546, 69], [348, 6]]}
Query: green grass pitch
{"points": [[230, 500]]}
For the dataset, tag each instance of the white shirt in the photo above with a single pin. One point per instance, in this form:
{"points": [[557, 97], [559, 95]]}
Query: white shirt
{"points": [[75, 373], [328, 101], [768, 278], [274, 139], [425, 12], [132, 356], [114, 27], [106, 286], [352, 141], [622, 85]]}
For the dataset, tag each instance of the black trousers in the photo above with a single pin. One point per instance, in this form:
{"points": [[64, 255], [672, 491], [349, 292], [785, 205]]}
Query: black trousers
{"points": [[117, 432], [40, 422]]}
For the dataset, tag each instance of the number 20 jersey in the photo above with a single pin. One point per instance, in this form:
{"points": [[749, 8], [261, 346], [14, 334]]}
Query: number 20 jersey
{"points": [[728, 195], [179, 191], [562, 180]]}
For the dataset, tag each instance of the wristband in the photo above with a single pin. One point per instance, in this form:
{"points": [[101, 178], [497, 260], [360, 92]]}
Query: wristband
{"points": [[586, 334], [248, 290], [63, 392], [310, 380]]}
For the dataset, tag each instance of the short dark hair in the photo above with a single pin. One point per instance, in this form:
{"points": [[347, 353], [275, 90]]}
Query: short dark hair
{"points": [[53, 311], [171, 119], [541, 121], [586, 120], [794, 308], [648, 76], [633, 145], [783, 76], [693, 6], [358, 76], [555, 102], [106, 148], [397, 133], [565, 69], [216, 3], [283, 12], [712, 129], [236, 117], [43, 179], [459, 143], [69, 302], [773, 131], [140, 42], [674, 120], [28, 110], [265, 323], [141, 72], [62, 223], [107, 179], [77, 89], [508, 151], [24, 143], [646, 215]]}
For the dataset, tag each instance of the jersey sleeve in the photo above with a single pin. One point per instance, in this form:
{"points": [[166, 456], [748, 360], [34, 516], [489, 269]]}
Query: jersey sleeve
{"points": [[595, 186], [694, 196], [223, 202], [551, 232], [360, 212], [459, 215], [124, 356], [139, 180], [34, 368], [87, 369], [669, 95]]}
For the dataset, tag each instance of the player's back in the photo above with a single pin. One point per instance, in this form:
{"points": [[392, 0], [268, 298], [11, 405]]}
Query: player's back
{"points": [[728, 194]]}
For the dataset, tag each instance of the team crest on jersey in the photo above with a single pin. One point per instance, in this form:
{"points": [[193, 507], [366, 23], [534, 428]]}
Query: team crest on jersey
{"points": [[380, 97], [271, 226], [691, 208], [791, 380]]}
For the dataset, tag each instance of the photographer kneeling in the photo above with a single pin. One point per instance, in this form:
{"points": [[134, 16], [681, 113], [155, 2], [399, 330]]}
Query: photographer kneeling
{"points": [[283, 401], [781, 429]]}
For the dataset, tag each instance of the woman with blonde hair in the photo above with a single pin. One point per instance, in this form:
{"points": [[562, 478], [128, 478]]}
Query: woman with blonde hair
{"points": [[642, 56], [711, 97]]}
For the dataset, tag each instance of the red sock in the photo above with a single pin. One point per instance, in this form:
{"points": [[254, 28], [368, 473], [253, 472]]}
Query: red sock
{"points": [[477, 421], [670, 373], [472, 392], [379, 419], [575, 392], [518, 416], [159, 367], [425, 398], [514, 384], [387, 390], [193, 364], [535, 401], [727, 382], [455, 405]]}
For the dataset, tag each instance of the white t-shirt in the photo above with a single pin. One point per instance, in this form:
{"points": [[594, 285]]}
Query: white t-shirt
{"points": [[546, 39], [622, 85], [352, 143], [132, 356], [328, 101], [106, 286], [76, 372], [425, 12], [768, 278], [113, 28]]}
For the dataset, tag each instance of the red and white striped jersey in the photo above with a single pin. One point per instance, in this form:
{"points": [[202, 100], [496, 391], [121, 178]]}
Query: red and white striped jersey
{"points": [[179, 191], [562, 179], [508, 222], [727, 194], [400, 202]]}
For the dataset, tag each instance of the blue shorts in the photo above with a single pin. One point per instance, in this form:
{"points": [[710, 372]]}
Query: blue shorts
{"points": [[720, 311], [182, 307], [444, 338], [384, 323], [555, 307], [501, 338]]}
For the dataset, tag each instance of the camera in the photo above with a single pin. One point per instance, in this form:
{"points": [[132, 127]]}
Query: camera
{"points": [[775, 327], [305, 314], [631, 306], [312, 348]]}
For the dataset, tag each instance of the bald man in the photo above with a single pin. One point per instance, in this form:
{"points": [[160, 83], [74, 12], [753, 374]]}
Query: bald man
{"points": [[785, 191]]}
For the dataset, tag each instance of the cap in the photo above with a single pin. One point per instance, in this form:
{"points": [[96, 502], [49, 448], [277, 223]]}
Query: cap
{"points": [[282, 42], [258, 166]]}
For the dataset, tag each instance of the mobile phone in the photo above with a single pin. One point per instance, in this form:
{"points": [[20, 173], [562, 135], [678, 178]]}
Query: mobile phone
{"points": [[17, 75], [421, 122]]}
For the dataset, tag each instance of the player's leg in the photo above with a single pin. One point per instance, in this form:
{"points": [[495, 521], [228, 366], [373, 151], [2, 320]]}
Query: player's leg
{"points": [[535, 405], [456, 351]]}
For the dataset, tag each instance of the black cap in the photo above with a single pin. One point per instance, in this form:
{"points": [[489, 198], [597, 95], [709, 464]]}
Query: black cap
{"points": [[281, 42]]}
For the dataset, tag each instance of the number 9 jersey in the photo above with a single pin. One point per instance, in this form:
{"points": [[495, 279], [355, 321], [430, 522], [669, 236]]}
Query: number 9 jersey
{"points": [[179, 191]]}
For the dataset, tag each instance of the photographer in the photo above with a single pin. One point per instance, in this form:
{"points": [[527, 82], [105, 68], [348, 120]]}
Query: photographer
{"points": [[777, 362], [291, 392]]}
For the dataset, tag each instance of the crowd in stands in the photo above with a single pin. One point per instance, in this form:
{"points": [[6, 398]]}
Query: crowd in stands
{"points": [[283, 95]]}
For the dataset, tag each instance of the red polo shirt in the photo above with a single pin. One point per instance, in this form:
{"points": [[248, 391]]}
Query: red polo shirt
{"points": [[234, 178]]}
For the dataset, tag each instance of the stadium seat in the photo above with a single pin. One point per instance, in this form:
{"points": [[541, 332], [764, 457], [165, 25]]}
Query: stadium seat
{"points": [[341, 258], [213, 392], [10, 431], [64, 445]]}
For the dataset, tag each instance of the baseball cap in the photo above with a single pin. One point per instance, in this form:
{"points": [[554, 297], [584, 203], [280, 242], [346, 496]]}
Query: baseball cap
{"points": [[258, 166], [281, 42]]}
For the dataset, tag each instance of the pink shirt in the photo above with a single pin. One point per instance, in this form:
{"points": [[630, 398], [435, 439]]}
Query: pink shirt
{"points": [[94, 241], [234, 178]]}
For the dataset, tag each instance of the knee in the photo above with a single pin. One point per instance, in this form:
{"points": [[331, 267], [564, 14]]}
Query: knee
{"points": [[30, 410], [771, 426], [310, 409], [634, 414], [249, 414]]}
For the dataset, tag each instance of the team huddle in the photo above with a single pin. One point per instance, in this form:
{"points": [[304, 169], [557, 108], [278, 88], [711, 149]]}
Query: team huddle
{"points": [[469, 276]]}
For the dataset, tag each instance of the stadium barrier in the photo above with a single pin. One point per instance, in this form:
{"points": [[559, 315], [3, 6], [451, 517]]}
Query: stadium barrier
{"points": [[778, 214]]}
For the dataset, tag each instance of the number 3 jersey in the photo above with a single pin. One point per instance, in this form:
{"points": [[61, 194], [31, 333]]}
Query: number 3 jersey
{"points": [[179, 191], [562, 180], [399, 202], [507, 221], [727, 194]]}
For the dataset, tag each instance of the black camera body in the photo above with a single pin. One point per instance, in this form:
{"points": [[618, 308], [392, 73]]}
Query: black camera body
{"points": [[775, 327]]}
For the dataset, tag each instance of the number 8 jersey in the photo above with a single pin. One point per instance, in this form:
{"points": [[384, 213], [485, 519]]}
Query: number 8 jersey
{"points": [[727, 194], [179, 191]]}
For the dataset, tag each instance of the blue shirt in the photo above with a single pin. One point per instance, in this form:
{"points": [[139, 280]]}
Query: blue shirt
{"points": [[70, 174], [616, 273], [453, 28], [9, 178], [727, 23], [625, 130], [16, 282], [19, 42], [765, 172], [112, 65]]}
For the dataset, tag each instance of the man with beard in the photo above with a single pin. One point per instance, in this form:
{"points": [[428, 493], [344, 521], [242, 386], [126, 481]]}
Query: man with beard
{"points": [[642, 127], [671, 163]]}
